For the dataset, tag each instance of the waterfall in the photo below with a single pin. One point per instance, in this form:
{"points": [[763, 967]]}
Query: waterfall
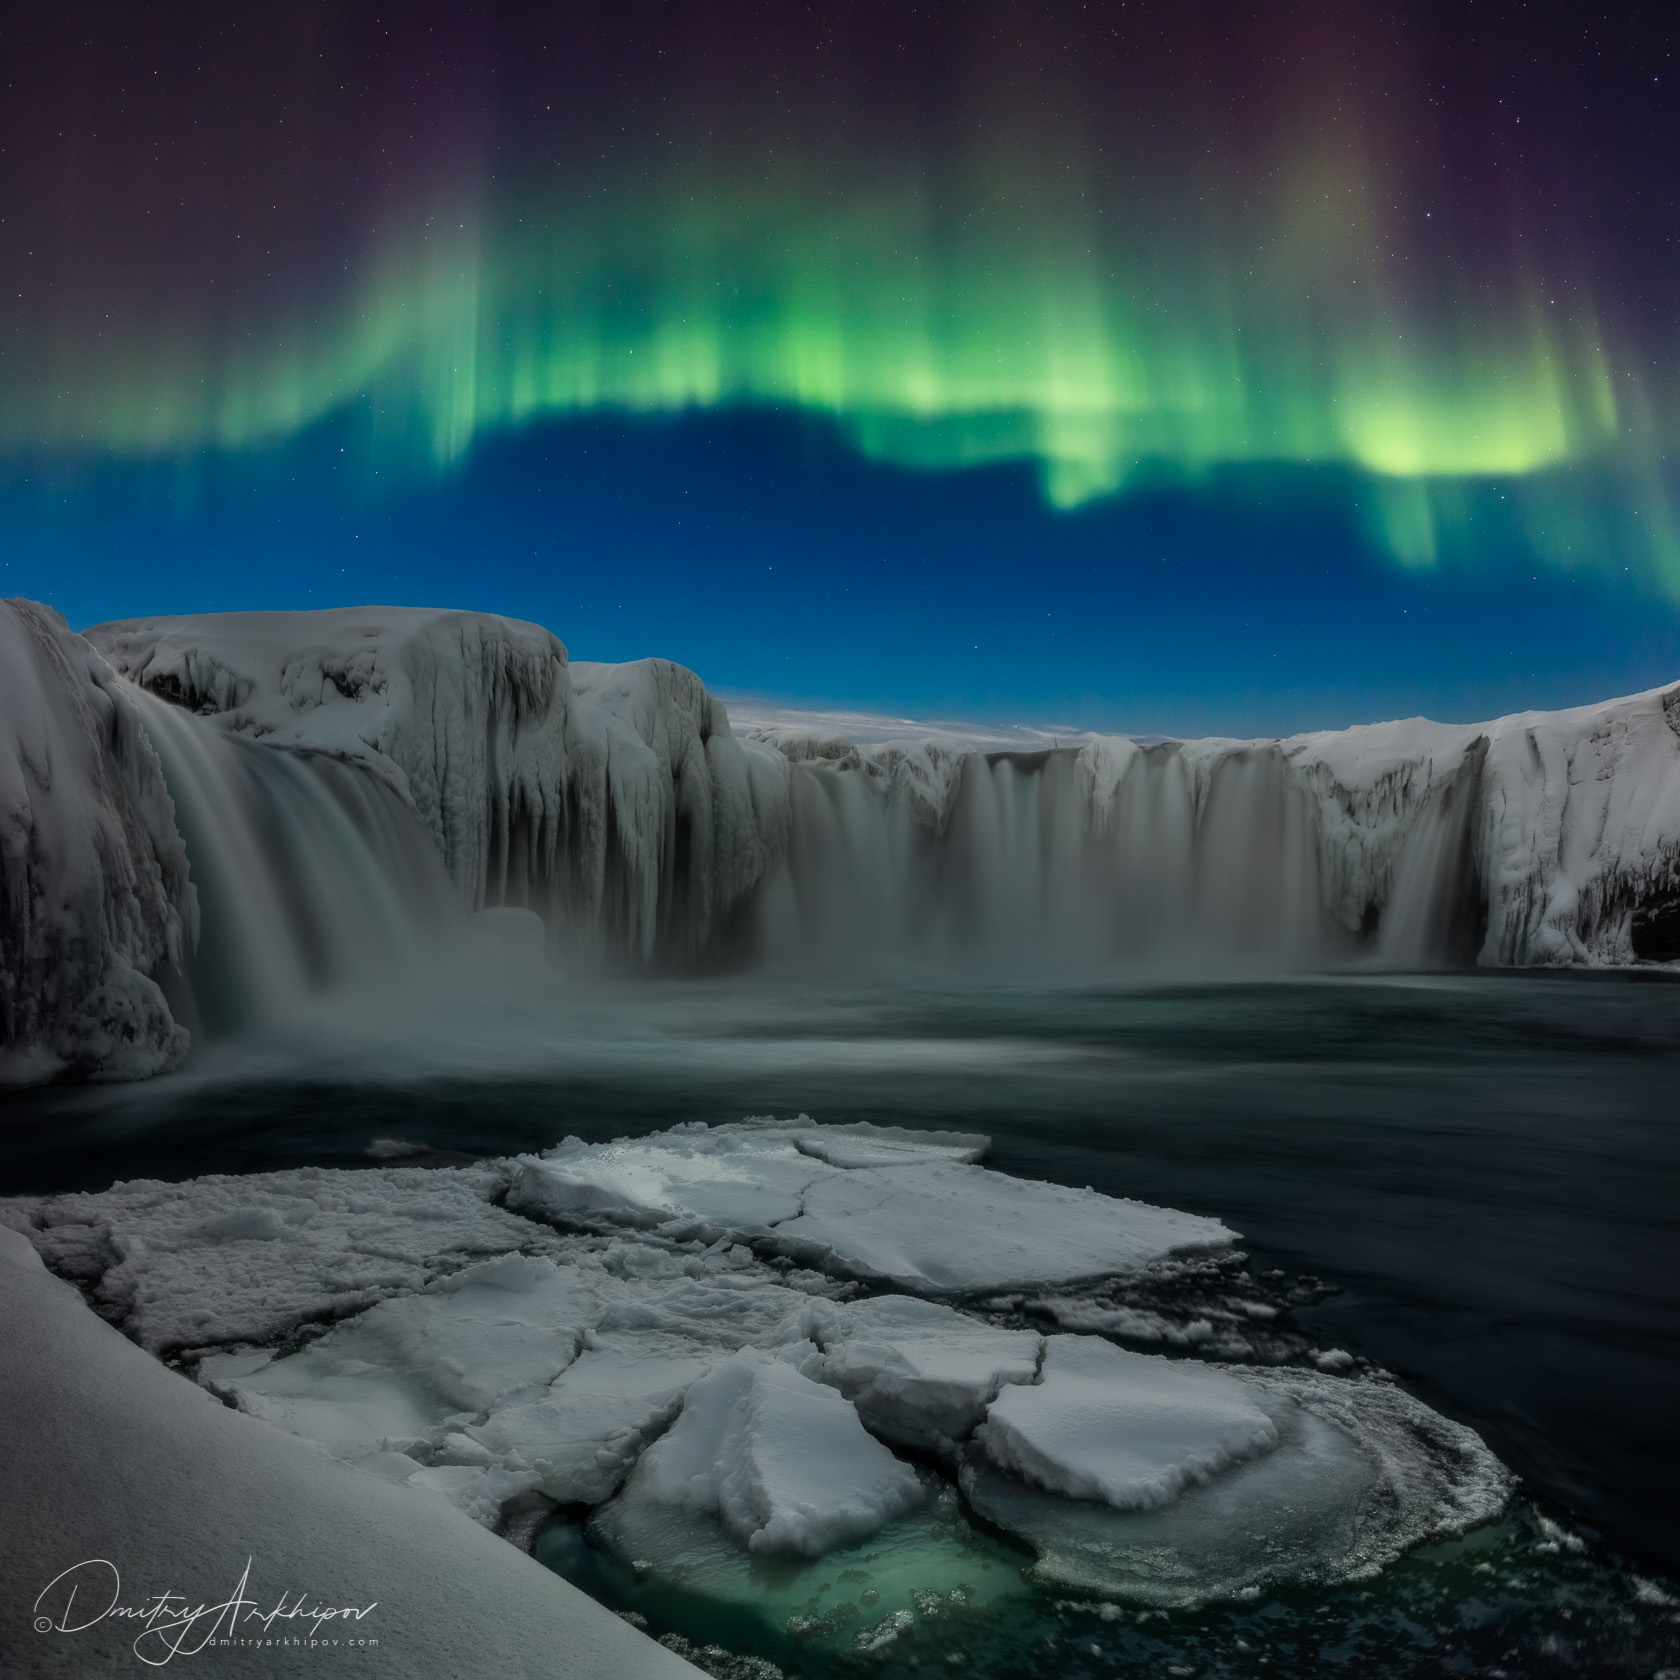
{"points": [[1178, 860], [309, 873], [207, 821]]}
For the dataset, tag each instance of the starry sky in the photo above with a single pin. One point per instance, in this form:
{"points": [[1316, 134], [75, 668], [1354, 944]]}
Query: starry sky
{"points": [[1180, 367]]}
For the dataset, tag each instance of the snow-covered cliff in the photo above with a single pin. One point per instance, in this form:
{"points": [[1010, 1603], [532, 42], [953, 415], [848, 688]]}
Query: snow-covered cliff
{"points": [[613, 799], [1543, 838], [94, 895]]}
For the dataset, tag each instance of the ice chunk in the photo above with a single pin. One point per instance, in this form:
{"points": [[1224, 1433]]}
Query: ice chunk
{"points": [[1360, 1474], [1131, 1429], [487, 1337], [579, 1439], [918, 1372], [742, 1178], [227, 1258], [731, 1179], [781, 1461], [864, 1145], [931, 1222], [945, 1228]]}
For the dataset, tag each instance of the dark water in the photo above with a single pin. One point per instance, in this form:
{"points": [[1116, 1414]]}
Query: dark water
{"points": [[1487, 1165]]}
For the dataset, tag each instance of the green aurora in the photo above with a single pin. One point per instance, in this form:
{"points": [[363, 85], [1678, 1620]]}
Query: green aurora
{"points": [[1061, 294]]}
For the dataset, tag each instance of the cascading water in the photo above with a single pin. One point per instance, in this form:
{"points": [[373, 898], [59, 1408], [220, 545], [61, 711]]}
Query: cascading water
{"points": [[309, 873], [1178, 863]]}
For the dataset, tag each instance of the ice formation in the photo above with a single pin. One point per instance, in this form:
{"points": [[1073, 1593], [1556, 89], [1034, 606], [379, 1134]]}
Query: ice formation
{"points": [[641, 1338], [94, 897], [781, 1461], [1131, 1429], [920, 1373], [611, 797], [1359, 1474], [932, 1223]]}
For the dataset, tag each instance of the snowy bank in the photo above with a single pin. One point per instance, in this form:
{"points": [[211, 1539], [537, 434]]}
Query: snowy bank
{"points": [[137, 1483]]}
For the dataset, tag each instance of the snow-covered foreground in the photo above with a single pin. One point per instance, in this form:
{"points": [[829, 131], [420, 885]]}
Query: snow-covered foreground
{"points": [[205, 819], [125, 1483], [771, 1340]]}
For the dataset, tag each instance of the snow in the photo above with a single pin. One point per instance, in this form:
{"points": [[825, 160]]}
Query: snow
{"points": [[1131, 1429], [783, 1462], [934, 1223], [94, 896], [128, 1461]]}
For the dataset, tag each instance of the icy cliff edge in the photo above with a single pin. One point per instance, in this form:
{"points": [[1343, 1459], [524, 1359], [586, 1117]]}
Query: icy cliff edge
{"points": [[94, 896], [613, 799]]}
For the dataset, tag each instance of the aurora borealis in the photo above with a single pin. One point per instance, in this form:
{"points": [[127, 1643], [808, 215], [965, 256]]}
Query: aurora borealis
{"points": [[1417, 264]]}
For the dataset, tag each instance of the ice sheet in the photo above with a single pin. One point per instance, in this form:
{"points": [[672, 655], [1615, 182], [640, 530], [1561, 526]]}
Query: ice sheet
{"points": [[1361, 1474], [1130, 1429], [931, 1223], [951, 1230]]}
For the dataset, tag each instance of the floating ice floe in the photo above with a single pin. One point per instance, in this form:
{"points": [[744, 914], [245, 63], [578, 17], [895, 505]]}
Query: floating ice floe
{"points": [[681, 1332], [1130, 1429], [1360, 1473], [932, 1223], [782, 1462], [920, 1373]]}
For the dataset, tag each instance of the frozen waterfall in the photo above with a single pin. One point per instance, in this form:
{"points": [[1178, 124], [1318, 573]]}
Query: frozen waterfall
{"points": [[205, 821], [308, 873]]}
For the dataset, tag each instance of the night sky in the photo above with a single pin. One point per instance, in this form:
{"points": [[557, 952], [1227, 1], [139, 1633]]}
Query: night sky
{"points": [[1169, 367]]}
